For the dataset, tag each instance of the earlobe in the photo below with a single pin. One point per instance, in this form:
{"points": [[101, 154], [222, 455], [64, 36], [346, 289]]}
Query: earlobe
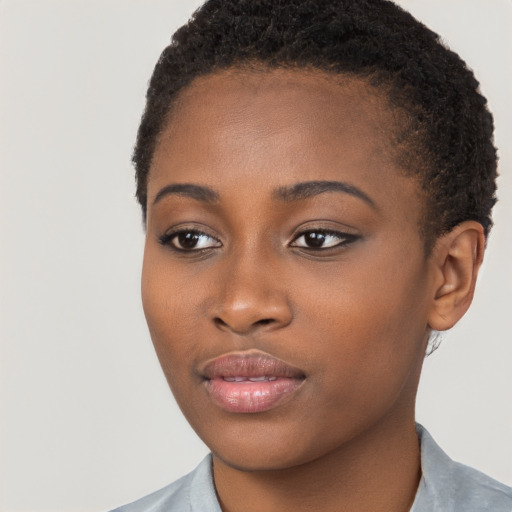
{"points": [[457, 257]]}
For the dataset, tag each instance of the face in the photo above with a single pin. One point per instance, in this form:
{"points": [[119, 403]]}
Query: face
{"points": [[285, 283]]}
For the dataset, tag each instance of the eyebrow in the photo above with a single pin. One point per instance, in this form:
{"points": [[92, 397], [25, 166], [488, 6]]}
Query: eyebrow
{"points": [[296, 192], [198, 192], [308, 189]]}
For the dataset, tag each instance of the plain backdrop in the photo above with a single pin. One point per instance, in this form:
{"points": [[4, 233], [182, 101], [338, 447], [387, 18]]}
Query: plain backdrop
{"points": [[87, 421]]}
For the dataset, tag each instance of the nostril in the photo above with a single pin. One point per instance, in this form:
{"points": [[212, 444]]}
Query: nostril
{"points": [[264, 321], [238, 327], [219, 322]]}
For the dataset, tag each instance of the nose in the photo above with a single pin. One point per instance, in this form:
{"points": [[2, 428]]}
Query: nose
{"points": [[252, 297]]}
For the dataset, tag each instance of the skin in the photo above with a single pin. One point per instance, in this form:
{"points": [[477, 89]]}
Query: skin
{"points": [[354, 317]]}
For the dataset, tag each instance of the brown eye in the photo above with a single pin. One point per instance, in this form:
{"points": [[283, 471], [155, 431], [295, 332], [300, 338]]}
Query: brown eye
{"points": [[314, 240], [186, 240], [320, 239], [189, 240]]}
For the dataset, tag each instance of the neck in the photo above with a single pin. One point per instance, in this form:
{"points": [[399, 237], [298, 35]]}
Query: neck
{"points": [[378, 470]]}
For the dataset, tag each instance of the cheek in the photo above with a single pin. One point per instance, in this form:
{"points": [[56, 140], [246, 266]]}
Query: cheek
{"points": [[166, 304], [367, 295], [162, 310], [369, 321]]}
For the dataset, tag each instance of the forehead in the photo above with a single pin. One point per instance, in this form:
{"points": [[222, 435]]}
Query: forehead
{"points": [[247, 89], [245, 132], [295, 114], [328, 102]]}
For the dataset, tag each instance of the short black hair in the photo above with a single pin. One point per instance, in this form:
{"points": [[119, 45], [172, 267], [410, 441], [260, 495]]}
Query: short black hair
{"points": [[446, 137]]}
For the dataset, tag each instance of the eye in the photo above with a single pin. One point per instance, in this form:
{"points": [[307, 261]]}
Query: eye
{"points": [[189, 240], [317, 239]]}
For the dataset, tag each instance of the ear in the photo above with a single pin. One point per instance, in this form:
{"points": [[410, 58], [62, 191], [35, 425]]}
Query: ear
{"points": [[457, 257]]}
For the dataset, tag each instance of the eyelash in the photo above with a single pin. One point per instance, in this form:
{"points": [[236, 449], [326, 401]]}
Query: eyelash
{"points": [[169, 238], [344, 239]]}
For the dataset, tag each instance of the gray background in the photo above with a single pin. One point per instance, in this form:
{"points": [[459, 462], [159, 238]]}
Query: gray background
{"points": [[86, 419]]}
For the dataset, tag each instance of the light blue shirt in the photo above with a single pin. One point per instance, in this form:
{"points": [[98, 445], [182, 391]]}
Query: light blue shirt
{"points": [[445, 486]]}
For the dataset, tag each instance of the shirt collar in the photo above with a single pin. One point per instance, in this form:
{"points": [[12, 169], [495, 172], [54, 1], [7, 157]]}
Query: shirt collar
{"points": [[434, 491]]}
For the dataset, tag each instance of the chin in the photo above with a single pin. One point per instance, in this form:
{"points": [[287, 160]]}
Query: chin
{"points": [[252, 462], [274, 449]]}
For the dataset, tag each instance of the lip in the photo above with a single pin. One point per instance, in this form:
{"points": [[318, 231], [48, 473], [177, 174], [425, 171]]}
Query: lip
{"points": [[251, 382]]}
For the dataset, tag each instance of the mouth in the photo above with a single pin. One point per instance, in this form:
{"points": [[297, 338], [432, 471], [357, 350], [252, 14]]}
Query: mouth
{"points": [[251, 382]]}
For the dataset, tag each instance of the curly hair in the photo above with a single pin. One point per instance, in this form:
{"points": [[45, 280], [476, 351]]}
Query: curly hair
{"points": [[446, 132]]}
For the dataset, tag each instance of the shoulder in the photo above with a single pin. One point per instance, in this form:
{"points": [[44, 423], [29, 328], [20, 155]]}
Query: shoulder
{"points": [[476, 488], [450, 486], [174, 495], [193, 492]]}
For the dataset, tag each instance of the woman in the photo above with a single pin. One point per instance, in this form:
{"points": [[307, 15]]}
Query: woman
{"points": [[316, 181]]}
